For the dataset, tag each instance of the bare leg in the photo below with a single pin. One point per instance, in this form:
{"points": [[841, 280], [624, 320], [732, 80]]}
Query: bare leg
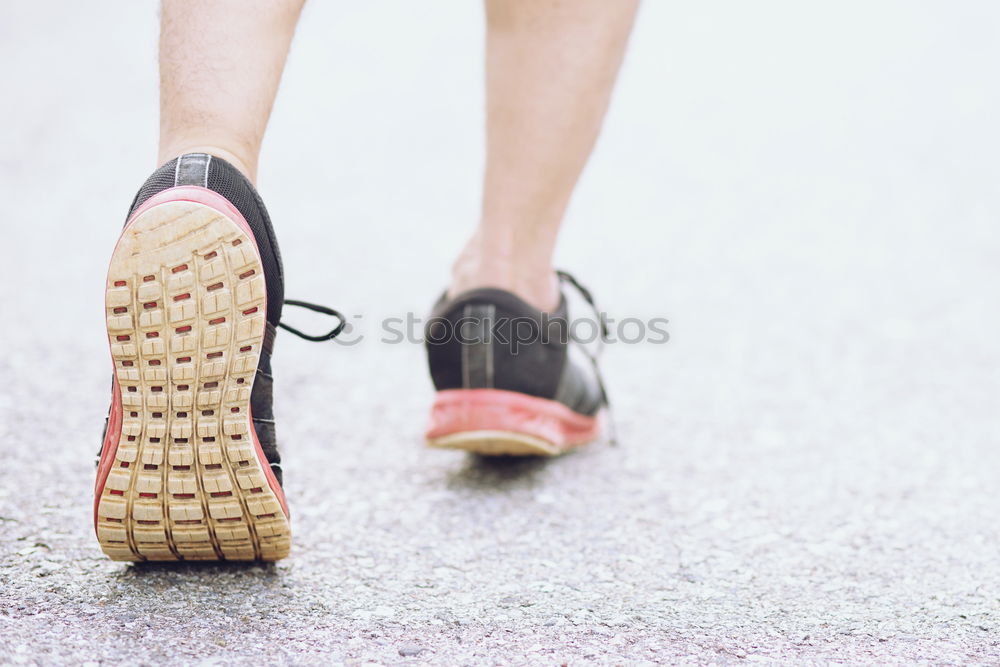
{"points": [[220, 64], [550, 68]]}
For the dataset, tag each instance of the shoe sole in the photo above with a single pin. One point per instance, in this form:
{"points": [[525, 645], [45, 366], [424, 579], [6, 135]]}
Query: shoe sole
{"points": [[496, 443], [185, 308], [494, 422]]}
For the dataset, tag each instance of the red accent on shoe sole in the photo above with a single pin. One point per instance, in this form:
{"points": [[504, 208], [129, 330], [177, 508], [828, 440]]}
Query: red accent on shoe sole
{"points": [[463, 410]]}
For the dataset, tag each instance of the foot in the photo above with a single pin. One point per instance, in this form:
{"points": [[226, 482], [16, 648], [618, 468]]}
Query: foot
{"points": [[510, 380], [189, 466]]}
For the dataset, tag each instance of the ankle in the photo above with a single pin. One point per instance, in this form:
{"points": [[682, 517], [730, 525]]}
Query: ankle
{"points": [[536, 284]]}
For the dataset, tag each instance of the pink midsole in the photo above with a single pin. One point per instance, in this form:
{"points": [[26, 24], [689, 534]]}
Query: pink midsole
{"points": [[464, 410]]}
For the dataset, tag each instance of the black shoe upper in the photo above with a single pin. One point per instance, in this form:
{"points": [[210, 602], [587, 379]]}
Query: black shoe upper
{"points": [[491, 339], [216, 174]]}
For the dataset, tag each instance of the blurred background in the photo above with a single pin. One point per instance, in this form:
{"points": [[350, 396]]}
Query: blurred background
{"points": [[806, 191]]}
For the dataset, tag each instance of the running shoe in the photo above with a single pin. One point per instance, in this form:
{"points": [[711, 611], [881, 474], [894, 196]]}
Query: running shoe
{"points": [[511, 380], [189, 466]]}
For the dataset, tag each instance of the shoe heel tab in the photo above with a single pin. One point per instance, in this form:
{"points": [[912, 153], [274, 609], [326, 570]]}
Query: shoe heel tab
{"points": [[502, 301], [192, 169]]}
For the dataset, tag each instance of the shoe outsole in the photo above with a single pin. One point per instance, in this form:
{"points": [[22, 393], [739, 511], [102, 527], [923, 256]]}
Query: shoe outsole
{"points": [[496, 443], [185, 310]]}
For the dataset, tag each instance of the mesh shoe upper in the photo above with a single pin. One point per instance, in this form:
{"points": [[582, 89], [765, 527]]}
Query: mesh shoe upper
{"points": [[491, 339]]}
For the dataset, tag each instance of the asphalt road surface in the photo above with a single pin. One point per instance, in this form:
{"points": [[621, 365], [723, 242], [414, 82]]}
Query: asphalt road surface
{"points": [[807, 470]]}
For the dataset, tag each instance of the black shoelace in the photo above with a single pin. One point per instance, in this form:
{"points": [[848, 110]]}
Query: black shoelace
{"points": [[333, 333], [566, 277]]}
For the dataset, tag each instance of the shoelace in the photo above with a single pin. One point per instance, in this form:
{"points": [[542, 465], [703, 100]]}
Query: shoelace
{"points": [[333, 333], [566, 277]]}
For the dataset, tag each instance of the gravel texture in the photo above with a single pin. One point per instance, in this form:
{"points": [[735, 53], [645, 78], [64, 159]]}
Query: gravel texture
{"points": [[807, 470]]}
